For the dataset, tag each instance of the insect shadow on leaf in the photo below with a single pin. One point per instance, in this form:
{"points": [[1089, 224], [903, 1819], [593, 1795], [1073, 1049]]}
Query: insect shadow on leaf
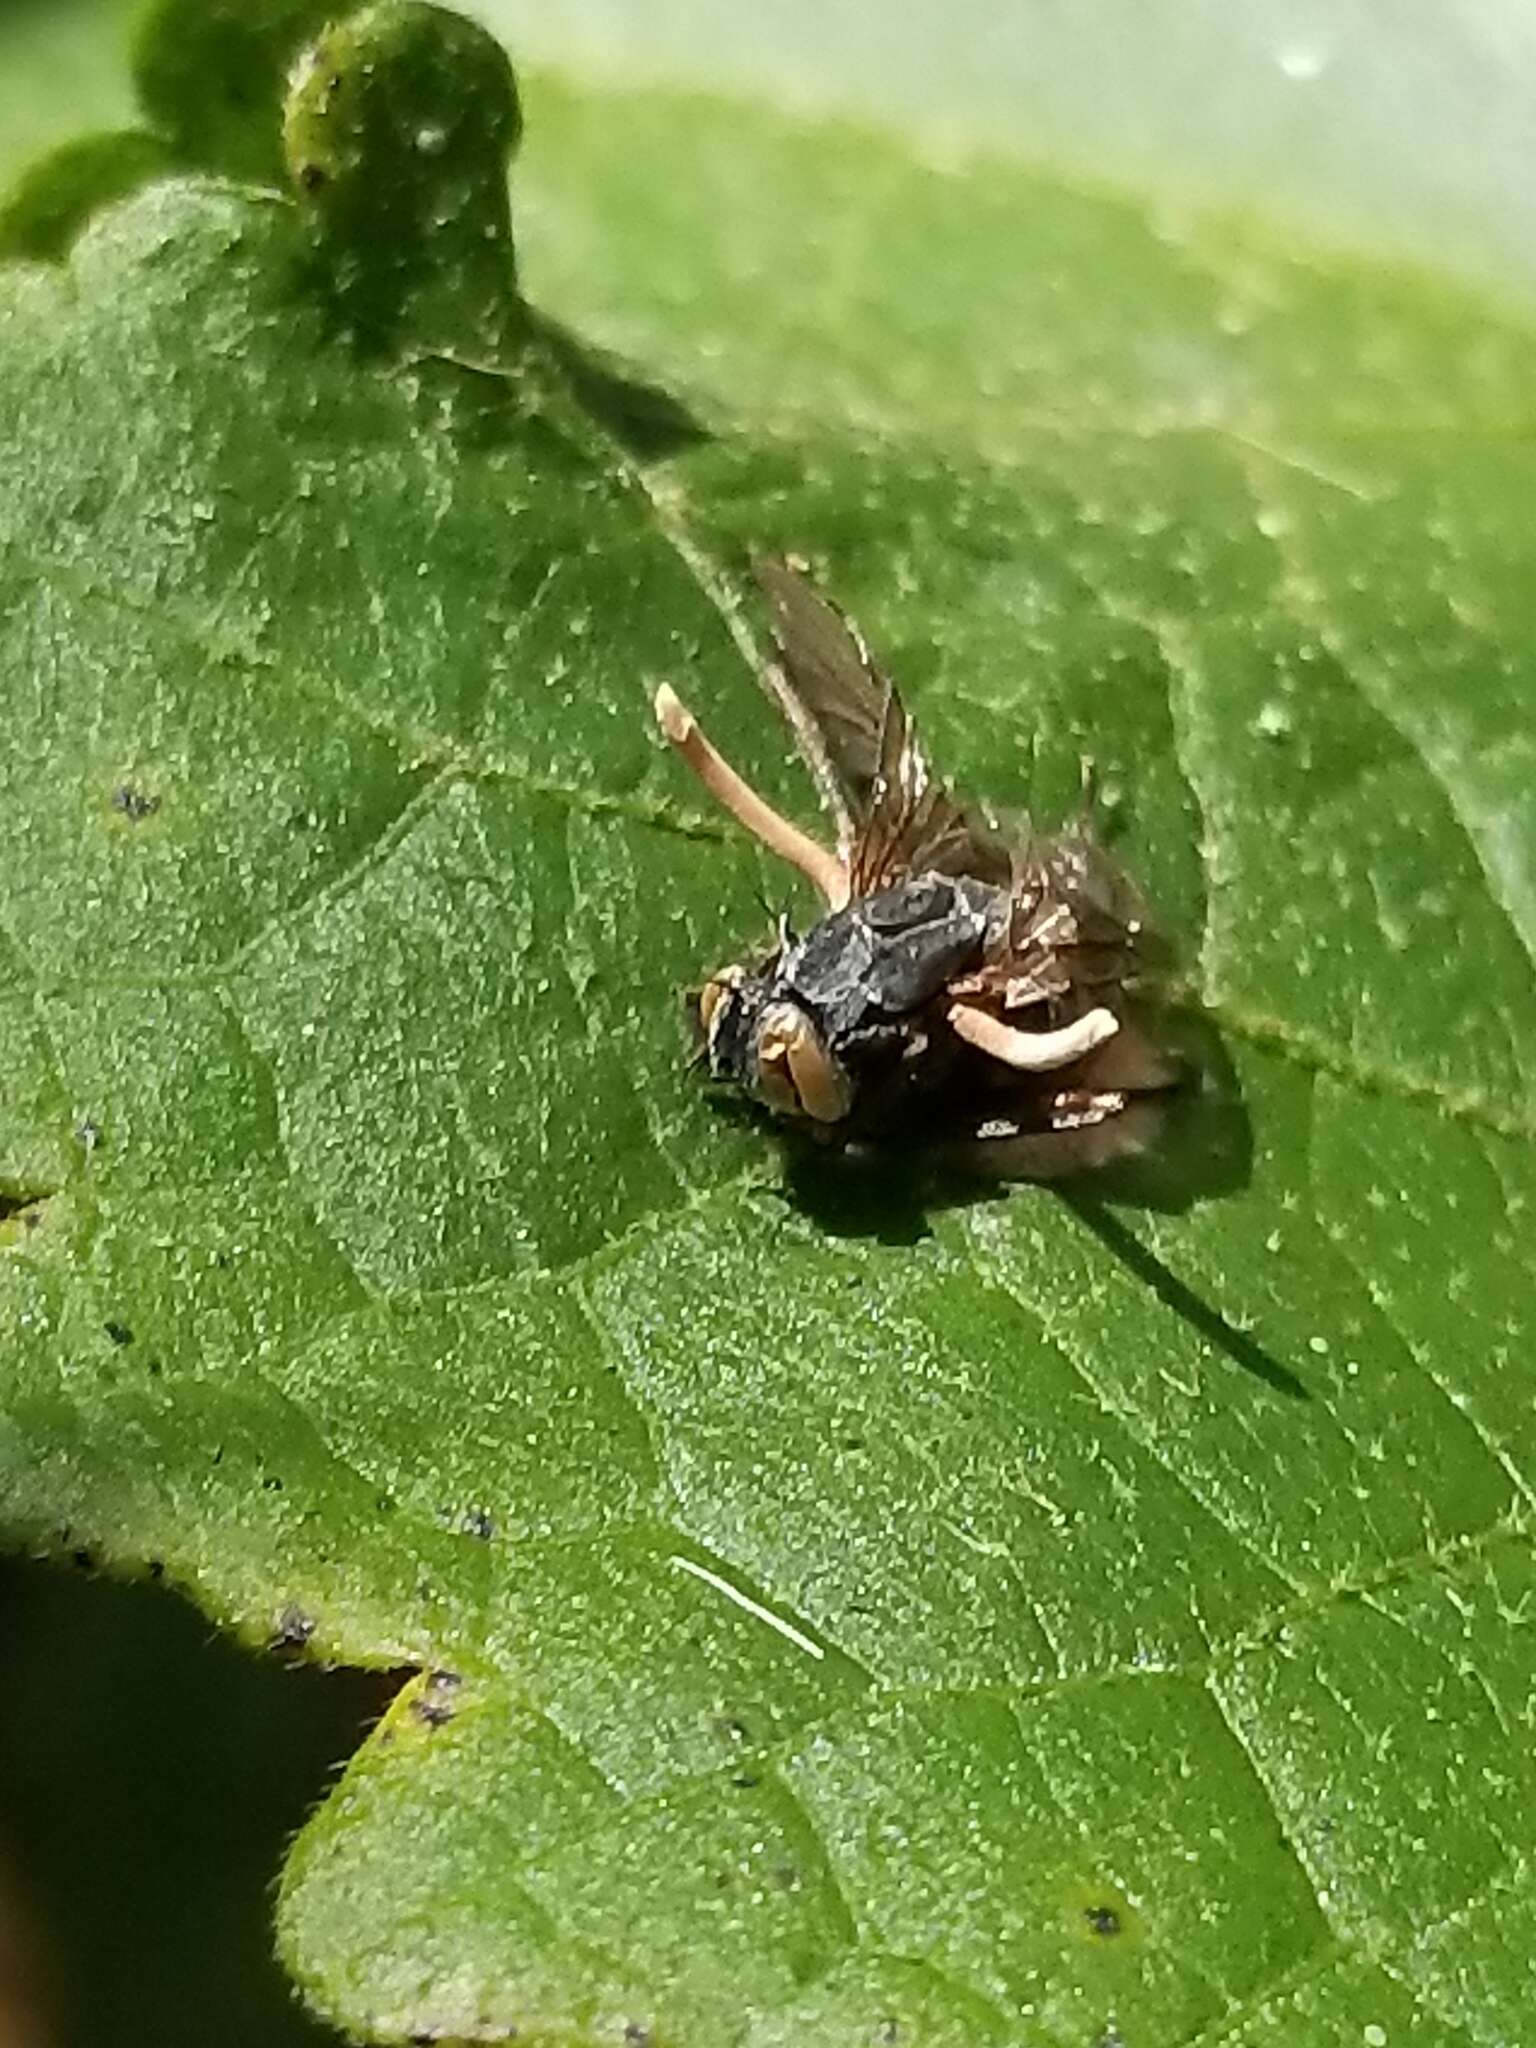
{"points": [[1237, 1345], [645, 419]]}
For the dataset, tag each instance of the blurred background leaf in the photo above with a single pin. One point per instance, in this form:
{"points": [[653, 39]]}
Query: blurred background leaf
{"points": [[1407, 129]]}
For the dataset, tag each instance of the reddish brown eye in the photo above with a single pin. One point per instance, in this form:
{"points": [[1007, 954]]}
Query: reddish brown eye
{"points": [[795, 1072]]}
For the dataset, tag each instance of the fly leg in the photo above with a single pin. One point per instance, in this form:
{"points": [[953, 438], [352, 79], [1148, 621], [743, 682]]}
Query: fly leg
{"points": [[1032, 1052], [681, 730]]}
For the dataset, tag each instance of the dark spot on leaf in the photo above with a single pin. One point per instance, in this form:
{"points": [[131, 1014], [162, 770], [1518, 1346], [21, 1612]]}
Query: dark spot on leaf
{"points": [[888, 2033], [156, 1568], [477, 1522], [636, 2036], [436, 1702], [218, 1455], [1102, 1919], [311, 177], [294, 1629], [83, 1560], [384, 1504], [118, 1332], [271, 1484], [88, 1131], [134, 804], [746, 1780]]}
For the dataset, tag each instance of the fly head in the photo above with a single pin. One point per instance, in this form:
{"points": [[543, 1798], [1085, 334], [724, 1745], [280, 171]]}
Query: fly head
{"points": [[758, 1036]]}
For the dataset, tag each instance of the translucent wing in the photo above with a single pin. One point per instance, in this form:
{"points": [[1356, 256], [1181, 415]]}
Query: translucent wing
{"points": [[835, 697], [1078, 926], [910, 823], [893, 817]]}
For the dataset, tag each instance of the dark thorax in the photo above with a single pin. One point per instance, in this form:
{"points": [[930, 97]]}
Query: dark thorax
{"points": [[887, 957]]}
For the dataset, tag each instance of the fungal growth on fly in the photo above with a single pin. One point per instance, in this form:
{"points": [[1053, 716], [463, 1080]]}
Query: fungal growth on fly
{"points": [[964, 991]]}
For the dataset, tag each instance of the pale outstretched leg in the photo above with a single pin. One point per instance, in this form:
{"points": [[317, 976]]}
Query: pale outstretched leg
{"points": [[1032, 1052], [681, 730]]}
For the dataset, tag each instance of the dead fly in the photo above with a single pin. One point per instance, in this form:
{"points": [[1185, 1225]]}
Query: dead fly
{"points": [[962, 992]]}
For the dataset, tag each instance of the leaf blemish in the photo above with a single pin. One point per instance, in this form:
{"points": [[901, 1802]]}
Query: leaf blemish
{"points": [[134, 804], [437, 1702], [294, 1629], [750, 1606], [1102, 1913]]}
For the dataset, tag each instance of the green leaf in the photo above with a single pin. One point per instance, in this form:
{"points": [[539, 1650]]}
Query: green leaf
{"points": [[1028, 1621], [61, 65], [53, 199]]}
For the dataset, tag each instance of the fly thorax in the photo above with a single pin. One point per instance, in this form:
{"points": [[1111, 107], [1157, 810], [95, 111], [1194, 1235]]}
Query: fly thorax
{"points": [[889, 954]]}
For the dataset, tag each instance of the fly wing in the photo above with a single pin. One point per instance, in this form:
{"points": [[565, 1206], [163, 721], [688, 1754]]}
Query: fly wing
{"points": [[910, 823], [893, 817], [836, 696], [1078, 926]]}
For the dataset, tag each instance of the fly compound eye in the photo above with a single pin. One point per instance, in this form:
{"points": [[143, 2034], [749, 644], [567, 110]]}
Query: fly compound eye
{"points": [[774, 1083], [796, 1074]]}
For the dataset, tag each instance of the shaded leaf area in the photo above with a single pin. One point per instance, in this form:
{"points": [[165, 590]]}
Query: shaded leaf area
{"points": [[186, 1763], [835, 1623]]}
